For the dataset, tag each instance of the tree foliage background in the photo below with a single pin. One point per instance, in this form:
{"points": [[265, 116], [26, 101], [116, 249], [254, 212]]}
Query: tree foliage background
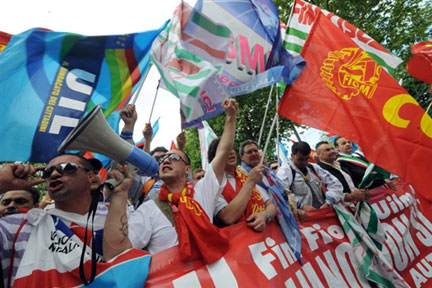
{"points": [[396, 24]]}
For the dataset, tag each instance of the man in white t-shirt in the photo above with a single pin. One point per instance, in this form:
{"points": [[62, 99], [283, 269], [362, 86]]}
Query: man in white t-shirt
{"points": [[152, 226]]}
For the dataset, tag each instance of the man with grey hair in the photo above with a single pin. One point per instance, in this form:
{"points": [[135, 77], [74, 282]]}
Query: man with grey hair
{"points": [[327, 160]]}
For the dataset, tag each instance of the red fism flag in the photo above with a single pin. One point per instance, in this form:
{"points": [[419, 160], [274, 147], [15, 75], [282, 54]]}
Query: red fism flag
{"points": [[420, 64], [344, 91]]}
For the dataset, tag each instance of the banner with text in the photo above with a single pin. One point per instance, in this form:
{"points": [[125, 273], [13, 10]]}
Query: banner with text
{"points": [[265, 260]]}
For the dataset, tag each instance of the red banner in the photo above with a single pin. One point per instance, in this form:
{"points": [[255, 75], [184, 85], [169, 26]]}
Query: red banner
{"points": [[265, 260], [344, 91], [420, 64]]}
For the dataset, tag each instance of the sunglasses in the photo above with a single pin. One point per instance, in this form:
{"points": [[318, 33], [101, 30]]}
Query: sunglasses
{"points": [[173, 157], [64, 168], [18, 201]]}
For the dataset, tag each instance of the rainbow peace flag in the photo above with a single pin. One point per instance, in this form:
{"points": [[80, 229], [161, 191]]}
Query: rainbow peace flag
{"points": [[49, 80]]}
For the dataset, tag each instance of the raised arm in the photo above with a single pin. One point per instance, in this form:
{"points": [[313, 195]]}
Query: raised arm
{"points": [[226, 143], [148, 134], [115, 237], [231, 213], [129, 116]]}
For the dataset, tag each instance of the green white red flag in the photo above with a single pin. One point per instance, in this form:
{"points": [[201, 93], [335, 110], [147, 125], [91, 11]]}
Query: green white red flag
{"points": [[344, 91]]}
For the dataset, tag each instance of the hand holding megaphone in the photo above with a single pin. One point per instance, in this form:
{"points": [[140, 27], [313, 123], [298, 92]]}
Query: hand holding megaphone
{"points": [[117, 179]]}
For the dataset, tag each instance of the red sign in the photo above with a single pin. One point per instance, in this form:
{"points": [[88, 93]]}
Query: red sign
{"points": [[265, 260]]}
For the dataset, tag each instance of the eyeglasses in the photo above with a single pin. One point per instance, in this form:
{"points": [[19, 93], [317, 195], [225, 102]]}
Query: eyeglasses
{"points": [[18, 201], [173, 157], [274, 167], [64, 168]]}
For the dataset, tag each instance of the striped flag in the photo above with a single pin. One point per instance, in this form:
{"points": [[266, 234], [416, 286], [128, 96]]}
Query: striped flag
{"points": [[256, 57], [300, 24], [373, 173], [177, 53], [368, 218], [206, 136], [372, 261]]}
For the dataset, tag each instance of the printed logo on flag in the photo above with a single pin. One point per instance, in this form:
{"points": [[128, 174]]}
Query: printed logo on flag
{"points": [[350, 72], [191, 205]]}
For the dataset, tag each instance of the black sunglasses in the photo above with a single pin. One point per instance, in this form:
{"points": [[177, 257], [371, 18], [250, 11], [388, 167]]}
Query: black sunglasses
{"points": [[173, 157], [64, 168]]}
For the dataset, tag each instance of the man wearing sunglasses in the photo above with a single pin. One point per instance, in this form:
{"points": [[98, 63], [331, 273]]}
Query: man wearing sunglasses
{"points": [[69, 178], [153, 225], [15, 201]]}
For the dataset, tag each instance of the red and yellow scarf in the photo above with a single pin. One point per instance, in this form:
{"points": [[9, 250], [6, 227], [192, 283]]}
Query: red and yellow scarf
{"points": [[255, 203], [194, 227]]}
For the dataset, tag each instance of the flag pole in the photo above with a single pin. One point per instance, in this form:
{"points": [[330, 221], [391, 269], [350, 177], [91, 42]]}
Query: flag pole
{"points": [[277, 127], [268, 139], [265, 116], [154, 100], [295, 130], [140, 87], [430, 104], [291, 12]]}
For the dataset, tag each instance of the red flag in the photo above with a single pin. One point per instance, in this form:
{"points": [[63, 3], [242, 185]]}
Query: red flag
{"points": [[173, 145], [344, 91], [420, 64], [4, 40]]}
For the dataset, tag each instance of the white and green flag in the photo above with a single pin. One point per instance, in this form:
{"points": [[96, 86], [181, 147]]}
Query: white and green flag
{"points": [[179, 52], [372, 261], [206, 136]]}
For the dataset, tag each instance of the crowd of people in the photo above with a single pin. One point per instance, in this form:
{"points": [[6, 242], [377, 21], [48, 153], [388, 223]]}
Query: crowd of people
{"points": [[148, 212]]}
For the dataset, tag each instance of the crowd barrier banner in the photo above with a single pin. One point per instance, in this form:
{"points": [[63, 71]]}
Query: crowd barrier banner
{"points": [[265, 260]]}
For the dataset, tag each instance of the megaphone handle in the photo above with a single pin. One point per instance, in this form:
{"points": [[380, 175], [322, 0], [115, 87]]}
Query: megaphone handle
{"points": [[111, 183]]}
